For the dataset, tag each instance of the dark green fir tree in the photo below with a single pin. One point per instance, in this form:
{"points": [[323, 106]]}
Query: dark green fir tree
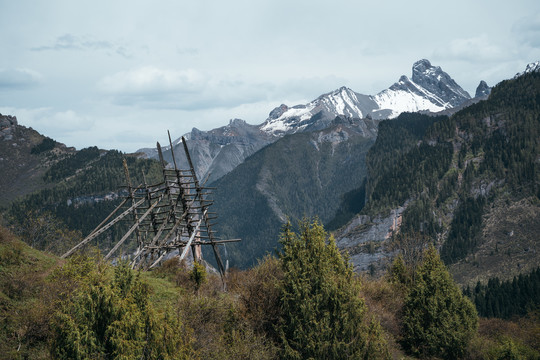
{"points": [[322, 313], [438, 321]]}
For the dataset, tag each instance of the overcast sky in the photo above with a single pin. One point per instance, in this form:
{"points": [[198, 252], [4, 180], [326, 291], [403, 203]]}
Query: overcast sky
{"points": [[118, 74]]}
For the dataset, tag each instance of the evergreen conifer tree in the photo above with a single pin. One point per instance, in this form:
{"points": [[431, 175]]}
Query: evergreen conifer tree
{"points": [[437, 319], [321, 309], [106, 319]]}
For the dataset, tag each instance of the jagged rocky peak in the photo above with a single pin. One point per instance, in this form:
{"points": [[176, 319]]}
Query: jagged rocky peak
{"points": [[237, 122], [8, 120], [278, 111], [7, 126], [532, 67], [194, 134], [435, 80], [483, 89]]}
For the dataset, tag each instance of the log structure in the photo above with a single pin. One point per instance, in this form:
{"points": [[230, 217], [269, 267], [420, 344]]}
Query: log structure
{"points": [[169, 217]]}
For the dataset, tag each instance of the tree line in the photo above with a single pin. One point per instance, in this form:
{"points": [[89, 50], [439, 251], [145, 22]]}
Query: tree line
{"points": [[507, 299]]}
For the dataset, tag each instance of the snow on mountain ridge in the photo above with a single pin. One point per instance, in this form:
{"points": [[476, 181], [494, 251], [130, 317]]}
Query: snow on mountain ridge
{"points": [[430, 89], [408, 97], [531, 67], [436, 81], [342, 101], [218, 151]]}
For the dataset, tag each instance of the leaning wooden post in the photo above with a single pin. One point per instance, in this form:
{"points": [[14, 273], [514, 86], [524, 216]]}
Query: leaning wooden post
{"points": [[132, 194], [205, 216]]}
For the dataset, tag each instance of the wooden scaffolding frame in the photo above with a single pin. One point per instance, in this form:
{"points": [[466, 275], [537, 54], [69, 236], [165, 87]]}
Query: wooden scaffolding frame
{"points": [[172, 215]]}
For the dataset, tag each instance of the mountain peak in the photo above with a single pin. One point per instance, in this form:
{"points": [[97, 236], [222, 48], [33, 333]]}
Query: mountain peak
{"points": [[403, 79], [338, 92], [436, 81], [422, 65], [237, 122], [532, 67], [483, 89], [423, 70]]}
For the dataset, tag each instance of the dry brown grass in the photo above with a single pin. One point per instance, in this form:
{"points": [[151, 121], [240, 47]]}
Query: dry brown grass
{"points": [[384, 302]]}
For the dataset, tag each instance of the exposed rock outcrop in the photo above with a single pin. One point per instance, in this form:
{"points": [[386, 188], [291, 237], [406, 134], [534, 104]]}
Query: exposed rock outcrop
{"points": [[7, 126]]}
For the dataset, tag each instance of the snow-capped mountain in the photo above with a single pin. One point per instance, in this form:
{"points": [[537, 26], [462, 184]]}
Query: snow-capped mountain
{"points": [[532, 67], [218, 151], [430, 89], [319, 113]]}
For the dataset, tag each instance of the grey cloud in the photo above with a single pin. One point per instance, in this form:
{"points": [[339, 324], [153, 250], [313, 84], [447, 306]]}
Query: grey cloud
{"points": [[190, 90], [471, 49], [18, 78], [152, 87], [210, 98], [73, 42]]}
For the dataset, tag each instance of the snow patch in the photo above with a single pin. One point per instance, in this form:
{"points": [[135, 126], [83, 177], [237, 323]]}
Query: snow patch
{"points": [[399, 101]]}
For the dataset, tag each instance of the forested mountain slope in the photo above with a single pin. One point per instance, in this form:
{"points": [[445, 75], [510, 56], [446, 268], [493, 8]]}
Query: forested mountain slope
{"points": [[470, 183], [303, 174], [77, 190]]}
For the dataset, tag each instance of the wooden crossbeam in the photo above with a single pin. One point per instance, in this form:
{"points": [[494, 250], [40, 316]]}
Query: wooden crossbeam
{"points": [[133, 228], [102, 230]]}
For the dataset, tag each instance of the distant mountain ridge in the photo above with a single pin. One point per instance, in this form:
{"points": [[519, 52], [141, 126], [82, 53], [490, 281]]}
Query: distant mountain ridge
{"points": [[282, 180], [311, 171], [469, 182], [430, 89], [302, 174], [218, 151]]}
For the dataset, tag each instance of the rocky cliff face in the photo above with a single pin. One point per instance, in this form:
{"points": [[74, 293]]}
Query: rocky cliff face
{"points": [[482, 90], [365, 237], [7, 126], [216, 152], [439, 83]]}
